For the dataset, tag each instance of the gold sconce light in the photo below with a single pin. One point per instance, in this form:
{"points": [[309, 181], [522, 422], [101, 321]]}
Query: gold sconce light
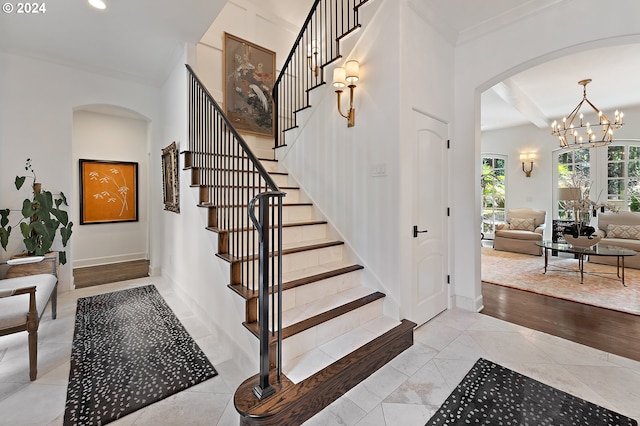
{"points": [[527, 158], [312, 57], [347, 76]]}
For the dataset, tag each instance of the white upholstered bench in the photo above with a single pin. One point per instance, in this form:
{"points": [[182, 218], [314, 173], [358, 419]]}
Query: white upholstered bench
{"points": [[22, 303]]}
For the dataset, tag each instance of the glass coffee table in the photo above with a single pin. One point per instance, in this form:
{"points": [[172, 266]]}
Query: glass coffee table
{"points": [[582, 252]]}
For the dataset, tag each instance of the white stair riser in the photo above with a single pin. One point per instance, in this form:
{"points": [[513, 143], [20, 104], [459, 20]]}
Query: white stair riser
{"points": [[293, 234], [297, 213], [249, 242], [314, 337], [242, 196], [297, 261], [311, 258], [249, 177], [308, 293]]}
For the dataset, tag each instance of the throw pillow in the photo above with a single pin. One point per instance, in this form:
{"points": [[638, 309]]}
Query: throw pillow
{"points": [[629, 232], [522, 224]]}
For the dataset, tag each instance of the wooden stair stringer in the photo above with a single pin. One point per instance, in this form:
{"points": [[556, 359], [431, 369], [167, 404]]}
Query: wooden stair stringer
{"points": [[296, 403]]}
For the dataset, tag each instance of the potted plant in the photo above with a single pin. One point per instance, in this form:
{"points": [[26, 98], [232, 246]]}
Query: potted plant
{"points": [[41, 219]]}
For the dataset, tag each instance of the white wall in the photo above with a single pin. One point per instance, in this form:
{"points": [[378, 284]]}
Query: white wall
{"points": [[36, 121], [404, 66], [535, 191], [250, 22], [333, 163], [426, 84], [188, 249], [98, 136], [486, 60]]}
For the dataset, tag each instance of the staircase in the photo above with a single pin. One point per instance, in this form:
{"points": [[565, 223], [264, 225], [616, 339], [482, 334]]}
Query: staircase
{"points": [[321, 330]]}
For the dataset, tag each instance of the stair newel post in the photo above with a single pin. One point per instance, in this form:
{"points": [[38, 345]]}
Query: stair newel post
{"points": [[264, 389], [279, 284]]}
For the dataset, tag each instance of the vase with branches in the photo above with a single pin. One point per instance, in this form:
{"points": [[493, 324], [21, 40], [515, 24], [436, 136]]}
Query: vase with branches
{"points": [[582, 206], [42, 218]]}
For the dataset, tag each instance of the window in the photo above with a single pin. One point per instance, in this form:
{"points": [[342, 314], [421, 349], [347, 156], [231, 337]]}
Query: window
{"points": [[614, 172], [570, 162], [493, 184], [623, 176]]}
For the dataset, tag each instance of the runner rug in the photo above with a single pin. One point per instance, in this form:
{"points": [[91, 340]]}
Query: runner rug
{"points": [[601, 286], [129, 350], [494, 395]]}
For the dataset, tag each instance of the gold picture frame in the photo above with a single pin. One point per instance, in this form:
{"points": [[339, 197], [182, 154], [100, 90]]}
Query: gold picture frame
{"points": [[108, 191], [170, 178], [249, 73]]}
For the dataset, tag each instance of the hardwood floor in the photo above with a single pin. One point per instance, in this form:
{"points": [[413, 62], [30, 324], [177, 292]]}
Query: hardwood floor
{"points": [[103, 274], [605, 329]]}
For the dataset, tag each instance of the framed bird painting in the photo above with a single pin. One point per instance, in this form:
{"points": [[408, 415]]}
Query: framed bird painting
{"points": [[249, 72]]}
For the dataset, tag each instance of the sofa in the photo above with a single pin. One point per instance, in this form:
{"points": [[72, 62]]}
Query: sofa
{"points": [[620, 230], [523, 229]]}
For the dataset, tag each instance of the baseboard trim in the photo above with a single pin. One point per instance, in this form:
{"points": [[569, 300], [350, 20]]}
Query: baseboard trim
{"points": [[108, 260]]}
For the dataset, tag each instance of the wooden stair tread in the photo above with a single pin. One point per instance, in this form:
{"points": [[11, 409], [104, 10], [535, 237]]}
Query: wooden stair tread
{"points": [[290, 250], [284, 225], [296, 403], [240, 206], [210, 154], [222, 169], [286, 285], [320, 318], [291, 188]]}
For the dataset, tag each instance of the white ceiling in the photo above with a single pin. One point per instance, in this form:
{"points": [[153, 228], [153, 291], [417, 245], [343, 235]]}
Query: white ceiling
{"points": [[553, 87], [142, 39], [136, 39]]}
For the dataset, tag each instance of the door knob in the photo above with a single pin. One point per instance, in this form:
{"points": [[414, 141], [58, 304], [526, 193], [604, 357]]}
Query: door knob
{"points": [[416, 232]]}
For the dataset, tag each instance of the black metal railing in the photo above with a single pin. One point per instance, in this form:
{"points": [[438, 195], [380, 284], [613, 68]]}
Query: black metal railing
{"points": [[233, 183], [269, 266], [317, 45]]}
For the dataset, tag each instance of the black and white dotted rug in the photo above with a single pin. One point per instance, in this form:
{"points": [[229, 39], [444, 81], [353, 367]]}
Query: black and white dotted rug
{"points": [[129, 350], [494, 395]]}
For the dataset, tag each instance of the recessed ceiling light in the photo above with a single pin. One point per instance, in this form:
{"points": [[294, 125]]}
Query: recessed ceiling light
{"points": [[98, 4]]}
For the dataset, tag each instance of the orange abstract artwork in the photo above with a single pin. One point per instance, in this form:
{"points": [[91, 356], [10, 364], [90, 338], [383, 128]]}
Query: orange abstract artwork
{"points": [[109, 191]]}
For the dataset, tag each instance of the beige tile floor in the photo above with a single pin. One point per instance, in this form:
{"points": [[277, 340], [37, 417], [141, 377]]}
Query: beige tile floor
{"points": [[407, 391]]}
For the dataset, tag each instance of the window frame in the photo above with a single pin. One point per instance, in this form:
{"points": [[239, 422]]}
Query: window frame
{"points": [[498, 214]]}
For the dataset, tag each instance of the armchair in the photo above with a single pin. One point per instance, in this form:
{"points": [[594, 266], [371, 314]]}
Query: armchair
{"points": [[523, 228], [22, 303]]}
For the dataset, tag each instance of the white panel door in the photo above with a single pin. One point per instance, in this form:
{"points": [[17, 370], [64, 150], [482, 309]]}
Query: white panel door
{"points": [[430, 290]]}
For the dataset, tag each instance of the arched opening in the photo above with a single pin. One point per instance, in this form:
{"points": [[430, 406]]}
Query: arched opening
{"points": [[120, 135]]}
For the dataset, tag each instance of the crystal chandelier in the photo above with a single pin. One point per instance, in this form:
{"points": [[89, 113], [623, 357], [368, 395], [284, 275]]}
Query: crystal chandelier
{"points": [[575, 132]]}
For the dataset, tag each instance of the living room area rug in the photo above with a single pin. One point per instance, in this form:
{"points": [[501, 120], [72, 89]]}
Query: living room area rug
{"points": [[129, 350], [491, 394], [601, 286]]}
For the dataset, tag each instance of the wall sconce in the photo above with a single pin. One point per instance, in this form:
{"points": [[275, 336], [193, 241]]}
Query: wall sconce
{"points": [[312, 57], [527, 157], [347, 76]]}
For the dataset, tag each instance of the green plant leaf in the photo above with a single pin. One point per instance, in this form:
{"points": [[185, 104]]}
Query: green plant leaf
{"points": [[4, 236], [63, 198], [61, 215], [62, 257], [25, 229], [30, 245], [20, 181], [44, 248], [45, 199], [65, 233], [28, 208], [4, 217]]}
